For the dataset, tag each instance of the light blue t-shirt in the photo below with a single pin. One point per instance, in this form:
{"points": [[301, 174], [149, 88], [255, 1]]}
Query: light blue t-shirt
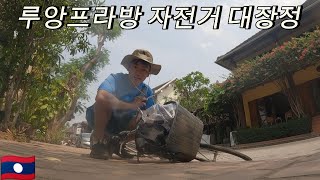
{"points": [[120, 86]]}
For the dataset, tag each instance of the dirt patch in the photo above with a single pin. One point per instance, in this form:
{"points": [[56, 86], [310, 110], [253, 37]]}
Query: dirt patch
{"points": [[6, 136]]}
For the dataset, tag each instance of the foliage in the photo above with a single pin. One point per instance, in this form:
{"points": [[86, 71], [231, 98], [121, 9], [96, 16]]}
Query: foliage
{"points": [[193, 90], [38, 45], [291, 128], [278, 64], [55, 98], [53, 137], [289, 57], [224, 104], [39, 86], [37, 49], [218, 100]]}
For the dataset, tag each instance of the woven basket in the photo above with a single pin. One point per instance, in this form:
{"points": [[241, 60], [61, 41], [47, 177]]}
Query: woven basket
{"points": [[185, 135]]}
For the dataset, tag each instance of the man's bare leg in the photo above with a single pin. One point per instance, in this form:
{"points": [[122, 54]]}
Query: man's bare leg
{"points": [[102, 115]]}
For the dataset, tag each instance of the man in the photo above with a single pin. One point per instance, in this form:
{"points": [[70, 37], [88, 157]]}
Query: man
{"points": [[118, 99]]}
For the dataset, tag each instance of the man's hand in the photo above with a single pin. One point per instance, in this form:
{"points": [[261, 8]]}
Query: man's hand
{"points": [[108, 99], [139, 101]]}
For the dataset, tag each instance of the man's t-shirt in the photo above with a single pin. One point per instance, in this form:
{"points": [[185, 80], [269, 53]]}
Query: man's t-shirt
{"points": [[120, 86]]}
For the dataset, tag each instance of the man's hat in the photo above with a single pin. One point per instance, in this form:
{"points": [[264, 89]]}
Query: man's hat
{"points": [[142, 55]]}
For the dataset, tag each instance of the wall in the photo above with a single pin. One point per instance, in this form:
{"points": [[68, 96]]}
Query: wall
{"points": [[165, 94], [270, 88], [316, 124]]}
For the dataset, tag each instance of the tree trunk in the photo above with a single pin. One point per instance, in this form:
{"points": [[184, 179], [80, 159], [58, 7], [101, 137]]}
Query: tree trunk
{"points": [[69, 114], [74, 82], [14, 85], [20, 109], [238, 111], [10, 97], [289, 88], [8, 106]]}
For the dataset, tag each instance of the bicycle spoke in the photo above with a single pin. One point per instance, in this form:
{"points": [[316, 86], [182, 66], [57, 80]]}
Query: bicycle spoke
{"points": [[204, 156]]}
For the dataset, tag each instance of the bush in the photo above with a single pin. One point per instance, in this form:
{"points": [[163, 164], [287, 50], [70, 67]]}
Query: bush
{"points": [[52, 137], [291, 128]]}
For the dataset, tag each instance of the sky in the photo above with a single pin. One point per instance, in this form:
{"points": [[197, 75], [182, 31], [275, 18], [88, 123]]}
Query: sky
{"points": [[180, 51]]}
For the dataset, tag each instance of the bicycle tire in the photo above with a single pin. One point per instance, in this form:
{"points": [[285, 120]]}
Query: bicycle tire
{"points": [[225, 150]]}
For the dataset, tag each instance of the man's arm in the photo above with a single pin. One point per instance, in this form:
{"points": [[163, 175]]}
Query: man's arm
{"points": [[108, 99], [151, 99]]}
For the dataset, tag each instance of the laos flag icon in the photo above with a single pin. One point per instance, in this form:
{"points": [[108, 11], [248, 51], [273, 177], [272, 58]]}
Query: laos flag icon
{"points": [[15, 167]]}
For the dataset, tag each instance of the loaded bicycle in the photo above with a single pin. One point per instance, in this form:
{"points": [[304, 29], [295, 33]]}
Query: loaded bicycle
{"points": [[170, 132]]}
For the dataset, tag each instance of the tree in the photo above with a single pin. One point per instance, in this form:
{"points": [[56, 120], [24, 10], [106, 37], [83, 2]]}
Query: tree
{"points": [[222, 101], [38, 86], [37, 48], [95, 60], [193, 90]]}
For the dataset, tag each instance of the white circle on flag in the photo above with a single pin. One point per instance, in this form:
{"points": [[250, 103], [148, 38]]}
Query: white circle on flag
{"points": [[17, 167]]}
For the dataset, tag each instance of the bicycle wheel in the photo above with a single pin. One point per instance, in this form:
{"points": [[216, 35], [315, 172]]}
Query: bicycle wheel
{"points": [[131, 149], [225, 150]]}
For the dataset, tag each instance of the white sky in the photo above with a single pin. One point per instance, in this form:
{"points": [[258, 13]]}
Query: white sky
{"points": [[180, 51]]}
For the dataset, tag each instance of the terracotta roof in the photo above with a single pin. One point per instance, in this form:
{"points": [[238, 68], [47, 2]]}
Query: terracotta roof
{"points": [[265, 40]]}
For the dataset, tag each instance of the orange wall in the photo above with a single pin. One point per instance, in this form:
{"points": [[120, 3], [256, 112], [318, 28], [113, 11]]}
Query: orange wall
{"points": [[270, 88]]}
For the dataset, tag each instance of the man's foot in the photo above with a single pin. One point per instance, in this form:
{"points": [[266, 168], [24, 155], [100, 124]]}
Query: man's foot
{"points": [[99, 151], [99, 148], [104, 149]]}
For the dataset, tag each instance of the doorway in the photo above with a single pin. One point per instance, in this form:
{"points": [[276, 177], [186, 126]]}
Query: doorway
{"points": [[316, 94]]}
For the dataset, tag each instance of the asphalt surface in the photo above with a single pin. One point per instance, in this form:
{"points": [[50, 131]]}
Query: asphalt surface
{"points": [[296, 160]]}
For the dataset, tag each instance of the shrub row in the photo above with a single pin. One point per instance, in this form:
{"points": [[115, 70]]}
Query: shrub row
{"points": [[291, 128]]}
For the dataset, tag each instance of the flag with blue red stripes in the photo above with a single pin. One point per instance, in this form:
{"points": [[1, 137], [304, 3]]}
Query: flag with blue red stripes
{"points": [[15, 167]]}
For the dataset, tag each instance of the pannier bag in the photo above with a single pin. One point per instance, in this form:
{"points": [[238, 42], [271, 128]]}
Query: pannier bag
{"points": [[169, 131]]}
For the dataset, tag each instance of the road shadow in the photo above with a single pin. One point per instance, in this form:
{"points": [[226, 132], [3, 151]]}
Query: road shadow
{"points": [[144, 160]]}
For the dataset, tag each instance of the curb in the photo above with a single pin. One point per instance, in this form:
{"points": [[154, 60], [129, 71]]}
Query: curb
{"points": [[276, 141]]}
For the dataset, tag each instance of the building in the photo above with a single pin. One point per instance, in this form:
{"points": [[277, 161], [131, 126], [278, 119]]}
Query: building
{"points": [[165, 92], [257, 98]]}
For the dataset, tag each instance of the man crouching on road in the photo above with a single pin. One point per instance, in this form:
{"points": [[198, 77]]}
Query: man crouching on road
{"points": [[117, 102]]}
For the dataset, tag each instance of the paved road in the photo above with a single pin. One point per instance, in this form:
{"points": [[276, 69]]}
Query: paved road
{"points": [[287, 150], [297, 160]]}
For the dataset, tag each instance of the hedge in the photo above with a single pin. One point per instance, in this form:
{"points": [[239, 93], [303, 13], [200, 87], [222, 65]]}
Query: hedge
{"points": [[291, 128]]}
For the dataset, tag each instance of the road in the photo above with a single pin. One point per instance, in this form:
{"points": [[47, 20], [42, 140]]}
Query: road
{"points": [[296, 160]]}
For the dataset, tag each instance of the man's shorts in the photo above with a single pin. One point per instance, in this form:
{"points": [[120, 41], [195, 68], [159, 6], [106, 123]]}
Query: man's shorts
{"points": [[119, 121]]}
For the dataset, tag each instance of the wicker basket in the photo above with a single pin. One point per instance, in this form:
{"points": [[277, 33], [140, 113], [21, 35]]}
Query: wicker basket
{"points": [[185, 135]]}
